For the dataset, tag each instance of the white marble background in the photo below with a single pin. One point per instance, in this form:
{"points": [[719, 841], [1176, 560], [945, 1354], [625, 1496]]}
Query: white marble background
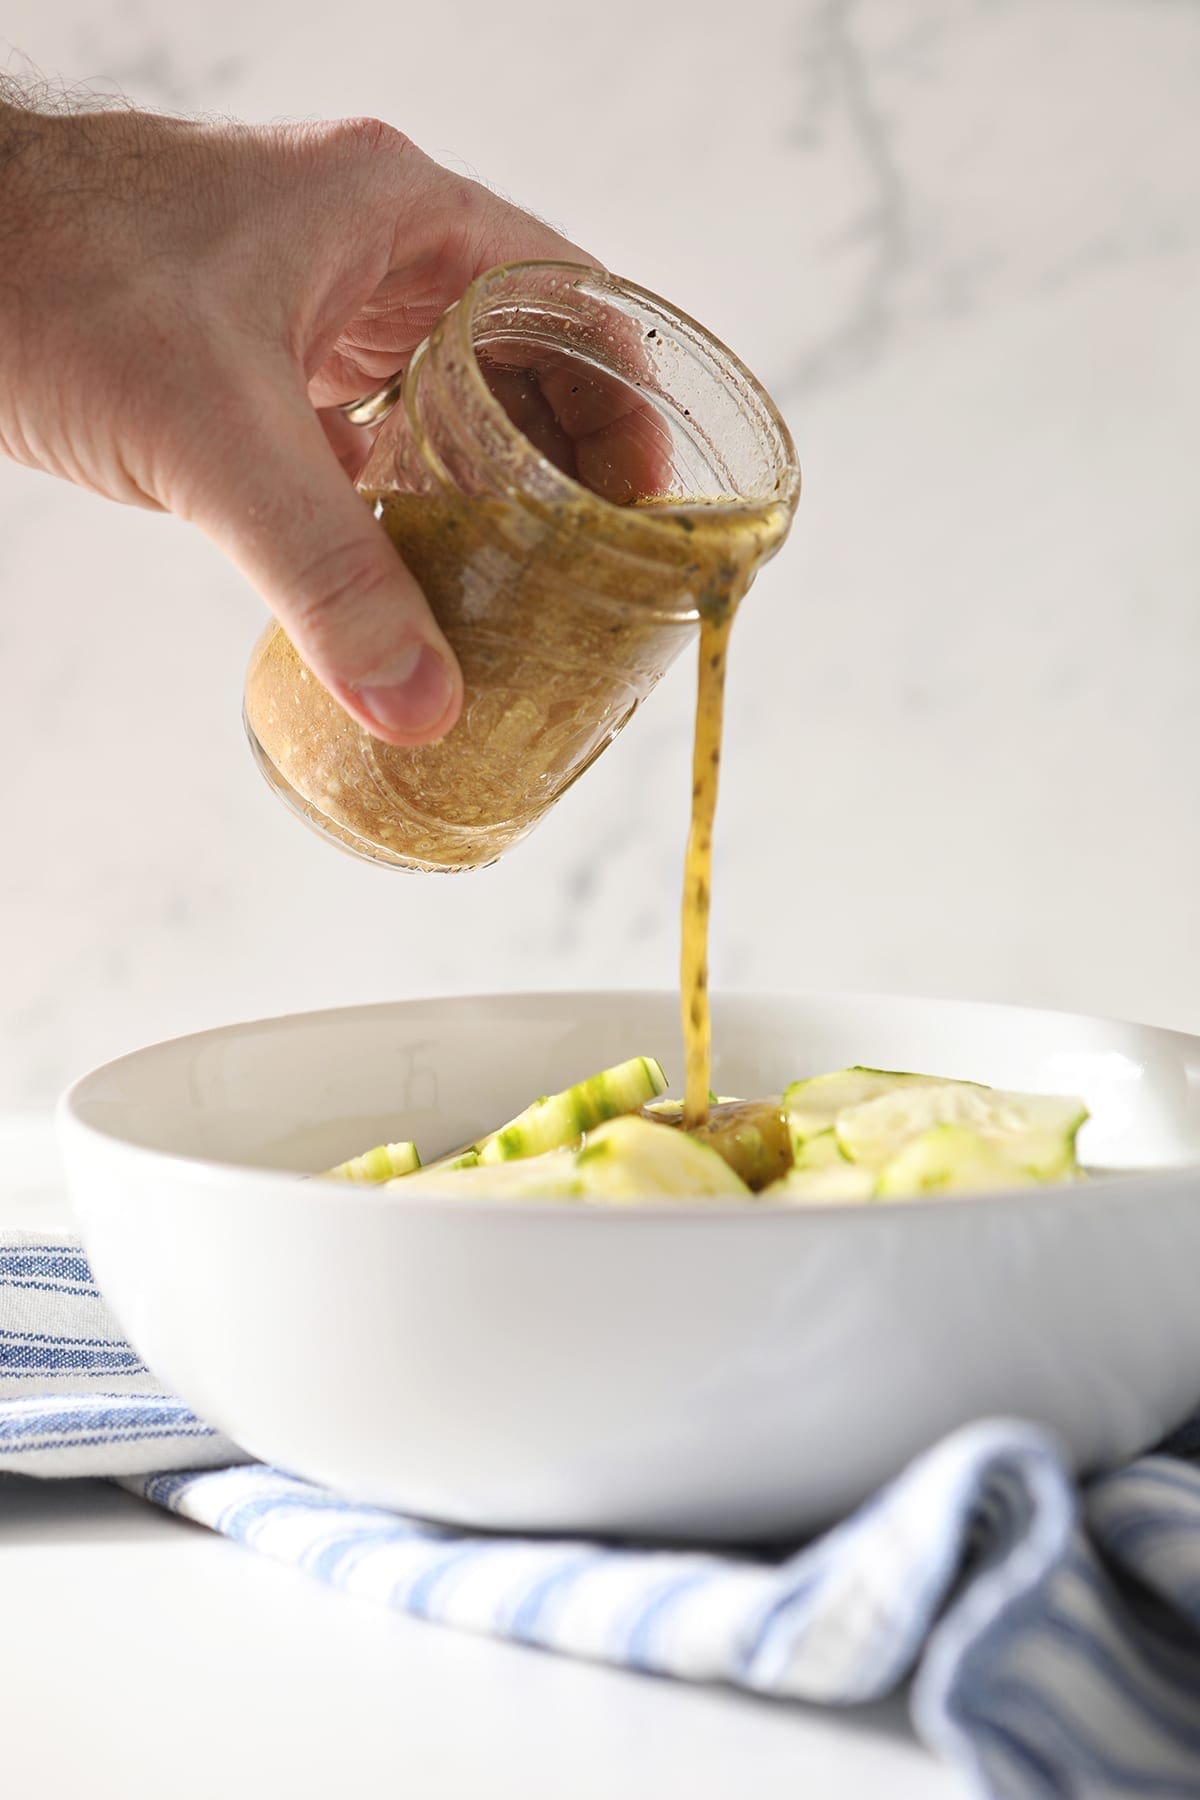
{"points": [[961, 243]]}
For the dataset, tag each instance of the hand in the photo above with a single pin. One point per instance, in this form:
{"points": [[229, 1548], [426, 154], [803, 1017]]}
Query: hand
{"points": [[177, 302]]}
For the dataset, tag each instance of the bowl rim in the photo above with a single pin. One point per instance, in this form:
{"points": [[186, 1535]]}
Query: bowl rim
{"points": [[71, 1125]]}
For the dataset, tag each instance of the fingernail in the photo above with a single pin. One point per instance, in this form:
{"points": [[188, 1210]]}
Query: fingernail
{"points": [[413, 695]]}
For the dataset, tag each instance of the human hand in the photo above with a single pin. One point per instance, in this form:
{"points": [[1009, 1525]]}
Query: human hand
{"points": [[177, 302]]}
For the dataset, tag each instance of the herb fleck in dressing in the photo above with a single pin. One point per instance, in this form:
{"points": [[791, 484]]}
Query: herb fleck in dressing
{"points": [[746, 537]]}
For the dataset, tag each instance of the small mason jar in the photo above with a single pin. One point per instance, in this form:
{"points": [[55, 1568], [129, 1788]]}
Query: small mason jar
{"points": [[573, 471]]}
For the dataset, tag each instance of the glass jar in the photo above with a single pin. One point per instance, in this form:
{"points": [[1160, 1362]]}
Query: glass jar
{"points": [[573, 471]]}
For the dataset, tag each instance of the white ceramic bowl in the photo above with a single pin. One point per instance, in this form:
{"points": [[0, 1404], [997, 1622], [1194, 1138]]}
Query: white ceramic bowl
{"points": [[704, 1371]]}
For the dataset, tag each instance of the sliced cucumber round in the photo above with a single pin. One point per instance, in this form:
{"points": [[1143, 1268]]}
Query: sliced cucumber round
{"points": [[551, 1176], [820, 1152], [812, 1106], [626, 1159], [634, 1159], [836, 1181], [952, 1159], [1037, 1131], [751, 1135], [560, 1119], [380, 1164], [457, 1159]]}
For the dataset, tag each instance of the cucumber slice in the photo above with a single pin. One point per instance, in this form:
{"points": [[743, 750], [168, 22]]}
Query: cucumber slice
{"points": [[467, 1159], [1037, 1131], [812, 1106], [836, 1181], [626, 1159], [380, 1164], [953, 1159], [457, 1159], [560, 1119], [820, 1152], [751, 1135], [633, 1159], [551, 1176]]}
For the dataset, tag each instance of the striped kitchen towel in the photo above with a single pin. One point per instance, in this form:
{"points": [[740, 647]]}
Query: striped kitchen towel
{"points": [[74, 1398], [1053, 1634]]}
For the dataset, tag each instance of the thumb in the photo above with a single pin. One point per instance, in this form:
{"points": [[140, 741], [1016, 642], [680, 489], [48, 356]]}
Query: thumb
{"points": [[276, 501]]}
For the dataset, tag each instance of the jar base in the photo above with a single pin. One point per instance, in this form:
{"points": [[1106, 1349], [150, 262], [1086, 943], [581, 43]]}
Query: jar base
{"points": [[332, 833]]}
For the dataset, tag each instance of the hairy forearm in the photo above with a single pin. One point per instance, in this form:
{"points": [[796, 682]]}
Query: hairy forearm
{"points": [[52, 168], [70, 160], [20, 120], [45, 138], [25, 138], [85, 211], [26, 158]]}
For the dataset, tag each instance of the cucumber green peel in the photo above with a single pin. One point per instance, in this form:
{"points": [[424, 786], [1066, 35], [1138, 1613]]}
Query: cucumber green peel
{"points": [[560, 1119], [814, 1105], [460, 1159], [380, 1164]]}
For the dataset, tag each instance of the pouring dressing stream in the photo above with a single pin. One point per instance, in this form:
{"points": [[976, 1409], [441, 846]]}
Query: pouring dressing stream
{"points": [[578, 475]]}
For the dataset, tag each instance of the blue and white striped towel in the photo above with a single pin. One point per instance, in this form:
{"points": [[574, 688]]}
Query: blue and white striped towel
{"points": [[1054, 1635]]}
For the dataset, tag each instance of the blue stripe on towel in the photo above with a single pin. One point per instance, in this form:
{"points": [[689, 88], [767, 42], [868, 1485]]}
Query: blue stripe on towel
{"points": [[528, 1618], [640, 1647], [136, 1415], [46, 1262], [24, 1358], [88, 1440]]}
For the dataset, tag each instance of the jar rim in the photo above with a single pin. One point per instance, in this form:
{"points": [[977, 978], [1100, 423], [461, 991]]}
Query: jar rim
{"points": [[543, 480]]}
